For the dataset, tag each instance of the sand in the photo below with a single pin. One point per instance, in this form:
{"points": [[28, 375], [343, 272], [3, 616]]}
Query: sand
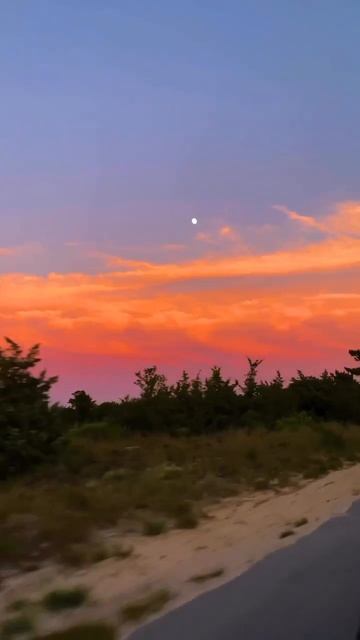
{"points": [[238, 532]]}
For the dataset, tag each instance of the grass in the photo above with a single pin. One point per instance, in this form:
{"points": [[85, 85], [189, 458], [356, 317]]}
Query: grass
{"points": [[301, 522], [83, 632], [65, 599], [203, 577], [16, 626], [152, 482], [286, 533], [86, 554], [144, 607]]}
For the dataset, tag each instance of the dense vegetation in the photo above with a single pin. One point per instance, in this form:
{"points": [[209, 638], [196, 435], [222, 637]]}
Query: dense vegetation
{"points": [[156, 460], [32, 430]]}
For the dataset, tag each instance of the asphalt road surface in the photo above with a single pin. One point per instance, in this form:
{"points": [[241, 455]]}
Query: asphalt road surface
{"points": [[307, 591]]}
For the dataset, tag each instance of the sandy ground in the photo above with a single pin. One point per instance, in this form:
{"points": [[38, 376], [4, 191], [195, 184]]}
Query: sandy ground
{"points": [[239, 532]]}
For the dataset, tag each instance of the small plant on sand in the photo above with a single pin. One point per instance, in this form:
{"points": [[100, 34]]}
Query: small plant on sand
{"points": [[16, 626], [301, 522], [286, 533], [139, 609], [83, 632], [203, 577], [154, 527], [65, 599], [185, 517]]}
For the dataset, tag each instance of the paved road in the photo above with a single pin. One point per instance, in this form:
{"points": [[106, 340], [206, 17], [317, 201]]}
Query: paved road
{"points": [[308, 591]]}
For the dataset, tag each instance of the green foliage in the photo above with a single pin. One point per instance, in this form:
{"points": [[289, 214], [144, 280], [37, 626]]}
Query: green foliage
{"points": [[27, 429]]}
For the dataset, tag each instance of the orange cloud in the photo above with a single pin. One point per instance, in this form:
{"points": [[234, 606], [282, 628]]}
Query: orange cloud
{"points": [[329, 254], [345, 219], [227, 232], [141, 311]]}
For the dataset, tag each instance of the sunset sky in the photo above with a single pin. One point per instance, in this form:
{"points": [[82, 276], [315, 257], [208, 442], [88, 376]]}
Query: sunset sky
{"points": [[120, 120]]}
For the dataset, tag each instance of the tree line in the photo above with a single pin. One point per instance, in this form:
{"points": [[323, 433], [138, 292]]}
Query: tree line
{"points": [[32, 428]]}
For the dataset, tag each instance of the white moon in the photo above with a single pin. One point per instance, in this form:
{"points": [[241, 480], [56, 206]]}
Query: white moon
{"points": [[194, 220]]}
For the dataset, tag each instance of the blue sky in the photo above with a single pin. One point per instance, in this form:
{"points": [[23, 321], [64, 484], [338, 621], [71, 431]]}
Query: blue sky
{"points": [[121, 119]]}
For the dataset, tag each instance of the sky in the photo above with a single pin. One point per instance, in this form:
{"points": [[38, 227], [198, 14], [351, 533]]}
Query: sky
{"points": [[119, 122]]}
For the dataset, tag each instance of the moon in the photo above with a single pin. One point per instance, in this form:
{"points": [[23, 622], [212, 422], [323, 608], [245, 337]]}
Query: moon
{"points": [[194, 220]]}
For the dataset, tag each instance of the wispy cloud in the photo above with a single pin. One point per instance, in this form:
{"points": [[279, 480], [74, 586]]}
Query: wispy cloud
{"points": [[21, 250], [8, 251], [307, 221], [344, 220]]}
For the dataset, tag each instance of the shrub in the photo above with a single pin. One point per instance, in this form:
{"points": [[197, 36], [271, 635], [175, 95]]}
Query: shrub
{"points": [[65, 599], [154, 527]]}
